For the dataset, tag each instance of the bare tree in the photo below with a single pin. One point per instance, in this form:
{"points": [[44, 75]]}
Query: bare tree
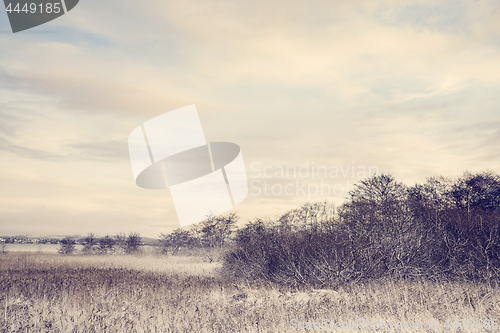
{"points": [[175, 241], [133, 243], [120, 240], [308, 216], [480, 190], [215, 231], [67, 245], [106, 245], [89, 244]]}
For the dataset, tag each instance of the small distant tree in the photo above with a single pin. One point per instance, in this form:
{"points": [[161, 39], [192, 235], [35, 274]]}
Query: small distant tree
{"points": [[173, 242], [106, 245], [89, 244], [120, 241], [133, 243], [67, 245], [215, 231]]}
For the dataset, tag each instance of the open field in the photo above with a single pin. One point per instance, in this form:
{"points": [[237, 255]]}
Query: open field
{"points": [[54, 293]]}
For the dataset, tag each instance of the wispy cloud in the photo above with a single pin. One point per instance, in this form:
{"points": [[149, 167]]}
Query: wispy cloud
{"points": [[8, 146], [100, 151]]}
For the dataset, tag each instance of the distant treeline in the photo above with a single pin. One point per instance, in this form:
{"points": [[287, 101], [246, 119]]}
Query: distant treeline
{"points": [[206, 238], [444, 228], [119, 243]]}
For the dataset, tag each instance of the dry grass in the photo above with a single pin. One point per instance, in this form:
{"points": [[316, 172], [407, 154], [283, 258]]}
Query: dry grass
{"points": [[53, 293], [191, 265]]}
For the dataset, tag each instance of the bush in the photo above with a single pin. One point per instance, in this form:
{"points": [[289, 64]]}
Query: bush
{"points": [[312, 257], [178, 239], [106, 245], [133, 243], [67, 245], [89, 244], [385, 229]]}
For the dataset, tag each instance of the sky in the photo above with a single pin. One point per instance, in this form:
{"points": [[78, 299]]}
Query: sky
{"points": [[346, 88]]}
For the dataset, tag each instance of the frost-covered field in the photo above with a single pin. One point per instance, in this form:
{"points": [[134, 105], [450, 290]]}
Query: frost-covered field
{"points": [[53, 293]]}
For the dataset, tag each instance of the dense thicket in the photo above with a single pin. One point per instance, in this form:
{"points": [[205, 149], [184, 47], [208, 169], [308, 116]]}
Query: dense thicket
{"points": [[441, 229]]}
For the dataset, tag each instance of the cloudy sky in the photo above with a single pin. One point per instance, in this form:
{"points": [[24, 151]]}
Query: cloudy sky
{"points": [[408, 87]]}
